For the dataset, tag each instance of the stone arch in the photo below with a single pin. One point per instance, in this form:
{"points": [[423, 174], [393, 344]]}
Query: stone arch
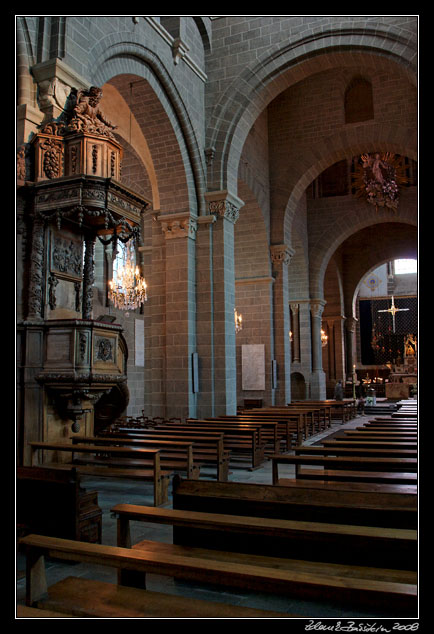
{"points": [[301, 170], [298, 387], [247, 96], [108, 59], [401, 243], [361, 216]]}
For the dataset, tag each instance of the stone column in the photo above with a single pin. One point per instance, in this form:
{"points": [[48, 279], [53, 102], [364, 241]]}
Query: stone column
{"points": [[318, 388], [280, 257], [295, 322], [351, 354], [216, 302], [179, 231]]}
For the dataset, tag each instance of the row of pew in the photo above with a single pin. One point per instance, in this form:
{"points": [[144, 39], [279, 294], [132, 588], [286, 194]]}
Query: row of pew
{"points": [[152, 451], [346, 534]]}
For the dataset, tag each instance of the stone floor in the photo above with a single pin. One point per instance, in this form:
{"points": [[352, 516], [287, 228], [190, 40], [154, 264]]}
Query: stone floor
{"points": [[111, 492]]}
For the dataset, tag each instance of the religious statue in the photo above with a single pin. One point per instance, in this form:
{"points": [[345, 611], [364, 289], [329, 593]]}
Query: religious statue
{"points": [[87, 115], [410, 346], [380, 180]]}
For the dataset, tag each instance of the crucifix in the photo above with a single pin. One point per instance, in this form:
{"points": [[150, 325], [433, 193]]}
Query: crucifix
{"points": [[393, 310]]}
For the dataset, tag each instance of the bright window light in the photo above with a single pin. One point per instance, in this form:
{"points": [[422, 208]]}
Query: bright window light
{"points": [[405, 266]]}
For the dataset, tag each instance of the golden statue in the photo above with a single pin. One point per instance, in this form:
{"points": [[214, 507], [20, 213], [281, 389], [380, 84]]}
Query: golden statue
{"points": [[410, 346]]}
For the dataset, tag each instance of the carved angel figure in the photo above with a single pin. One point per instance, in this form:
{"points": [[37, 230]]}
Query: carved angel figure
{"points": [[380, 180], [87, 115]]}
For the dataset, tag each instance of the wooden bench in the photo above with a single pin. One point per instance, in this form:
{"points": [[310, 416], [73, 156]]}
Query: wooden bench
{"points": [[370, 443], [53, 502], [150, 472], [333, 504], [308, 578], [89, 598], [375, 487], [174, 455], [207, 449], [332, 449], [291, 425], [352, 468], [24, 612], [321, 413], [344, 410], [243, 441], [270, 435]]}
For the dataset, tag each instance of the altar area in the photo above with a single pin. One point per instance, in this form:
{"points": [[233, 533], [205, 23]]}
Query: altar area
{"points": [[402, 381]]}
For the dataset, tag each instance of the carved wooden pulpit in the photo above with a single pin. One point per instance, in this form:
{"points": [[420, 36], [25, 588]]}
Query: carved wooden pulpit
{"points": [[67, 360]]}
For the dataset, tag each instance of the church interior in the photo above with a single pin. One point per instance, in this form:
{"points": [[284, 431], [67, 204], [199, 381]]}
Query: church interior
{"points": [[216, 317]]}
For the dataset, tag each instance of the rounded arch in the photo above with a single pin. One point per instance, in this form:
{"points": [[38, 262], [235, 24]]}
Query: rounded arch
{"points": [[298, 387], [401, 243], [128, 128], [124, 56], [360, 217], [301, 170], [282, 66]]}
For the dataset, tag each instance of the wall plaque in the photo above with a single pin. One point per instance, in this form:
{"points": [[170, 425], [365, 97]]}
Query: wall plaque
{"points": [[253, 366]]}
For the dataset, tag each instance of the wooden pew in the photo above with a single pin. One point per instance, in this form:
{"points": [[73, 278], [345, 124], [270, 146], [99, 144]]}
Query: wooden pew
{"points": [[291, 424], [314, 418], [244, 441], [340, 503], [351, 468], [343, 410], [370, 443], [269, 428], [174, 455], [151, 470], [333, 449], [53, 502], [24, 612], [321, 413], [375, 487], [227, 532], [208, 449], [96, 599]]}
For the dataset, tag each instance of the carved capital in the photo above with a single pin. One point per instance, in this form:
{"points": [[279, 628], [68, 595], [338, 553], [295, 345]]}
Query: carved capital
{"points": [[179, 226], [294, 308], [224, 205], [350, 324], [317, 308], [281, 253]]}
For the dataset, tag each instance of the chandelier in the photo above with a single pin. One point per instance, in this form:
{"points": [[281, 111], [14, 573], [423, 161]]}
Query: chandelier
{"points": [[238, 321], [324, 338], [291, 336], [128, 290]]}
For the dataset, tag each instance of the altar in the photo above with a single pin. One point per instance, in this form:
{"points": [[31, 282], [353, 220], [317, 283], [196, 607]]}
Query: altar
{"points": [[403, 377]]}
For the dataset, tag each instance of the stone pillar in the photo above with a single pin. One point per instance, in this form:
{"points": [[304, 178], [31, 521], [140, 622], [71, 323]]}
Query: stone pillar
{"points": [[318, 388], [280, 258], [216, 302], [180, 235], [295, 322], [351, 351]]}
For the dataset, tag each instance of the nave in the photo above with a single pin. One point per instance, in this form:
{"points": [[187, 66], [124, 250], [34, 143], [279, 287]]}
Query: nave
{"points": [[112, 492]]}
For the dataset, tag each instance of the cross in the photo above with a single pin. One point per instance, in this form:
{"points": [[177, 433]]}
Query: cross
{"points": [[393, 310]]}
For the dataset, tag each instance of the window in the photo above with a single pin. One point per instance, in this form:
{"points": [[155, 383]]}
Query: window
{"points": [[359, 105], [405, 266]]}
